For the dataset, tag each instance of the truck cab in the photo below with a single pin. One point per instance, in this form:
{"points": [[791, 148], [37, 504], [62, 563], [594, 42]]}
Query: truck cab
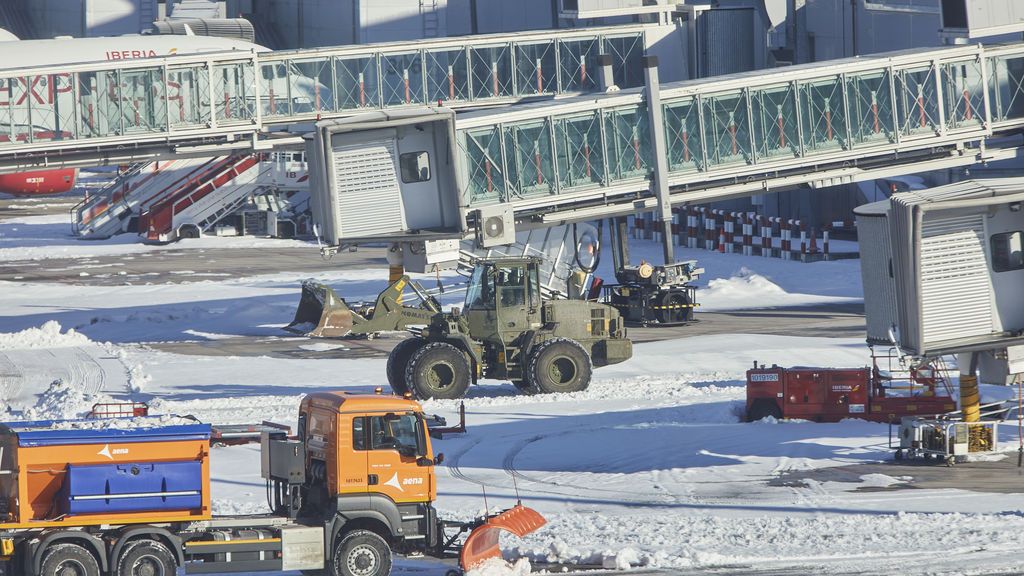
{"points": [[368, 460]]}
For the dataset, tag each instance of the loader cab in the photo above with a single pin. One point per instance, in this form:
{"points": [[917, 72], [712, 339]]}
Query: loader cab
{"points": [[503, 298]]}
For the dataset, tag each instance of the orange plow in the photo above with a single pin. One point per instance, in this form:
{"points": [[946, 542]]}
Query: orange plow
{"points": [[482, 542]]}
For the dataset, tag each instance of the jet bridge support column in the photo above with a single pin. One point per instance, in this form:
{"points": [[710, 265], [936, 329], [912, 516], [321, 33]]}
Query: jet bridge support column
{"points": [[652, 91]]}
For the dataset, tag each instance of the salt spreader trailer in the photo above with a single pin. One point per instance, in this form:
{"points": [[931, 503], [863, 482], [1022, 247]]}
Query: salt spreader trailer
{"points": [[131, 497]]}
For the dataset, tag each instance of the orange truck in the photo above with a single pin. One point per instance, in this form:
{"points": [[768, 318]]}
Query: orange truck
{"points": [[131, 497]]}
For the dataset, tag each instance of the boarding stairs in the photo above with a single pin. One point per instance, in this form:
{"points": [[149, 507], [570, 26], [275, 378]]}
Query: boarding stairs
{"points": [[195, 207], [112, 209]]}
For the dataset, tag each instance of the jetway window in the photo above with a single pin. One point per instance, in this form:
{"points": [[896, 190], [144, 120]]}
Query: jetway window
{"points": [[964, 89], [578, 64], [626, 52], [917, 101], [824, 113], [682, 133], [415, 167], [1008, 251], [871, 108], [1008, 76]]}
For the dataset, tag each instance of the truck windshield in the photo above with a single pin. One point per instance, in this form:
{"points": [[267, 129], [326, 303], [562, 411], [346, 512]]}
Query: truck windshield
{"points": [[480, 293]]}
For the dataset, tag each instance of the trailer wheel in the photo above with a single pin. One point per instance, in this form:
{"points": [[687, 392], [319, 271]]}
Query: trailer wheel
{"points": [[398, 360], [673, 307], [189, 231], [438, 370], [361, 553], [146, 558], [762, 409], [69, 560], [558, 365]]}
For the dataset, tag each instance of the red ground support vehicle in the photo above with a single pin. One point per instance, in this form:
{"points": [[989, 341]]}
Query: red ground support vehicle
{"points": [[831, 394]]}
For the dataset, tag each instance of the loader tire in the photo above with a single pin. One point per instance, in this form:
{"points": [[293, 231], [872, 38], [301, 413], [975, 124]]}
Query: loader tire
{"points": [[398, 360], [69, 560], [148, 558], [361, 553], [763, 408], [558, 365], [438, 370]]}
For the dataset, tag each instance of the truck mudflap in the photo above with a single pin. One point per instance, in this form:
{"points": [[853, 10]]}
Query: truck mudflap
{"points": [[324, 314], [482, 542]]}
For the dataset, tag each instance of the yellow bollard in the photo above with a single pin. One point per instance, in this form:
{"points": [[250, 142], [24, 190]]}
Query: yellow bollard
{"points": [[970, 398]]}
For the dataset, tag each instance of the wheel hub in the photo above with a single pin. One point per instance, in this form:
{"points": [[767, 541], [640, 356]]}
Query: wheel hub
{"points": [[71, 568], [362, 561], [563, 370], [440, 375], [147, 566]]}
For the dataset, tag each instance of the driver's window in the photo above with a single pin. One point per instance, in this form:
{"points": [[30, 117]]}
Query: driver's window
{"points": [[390, 432], [534, 287], [513, 286]]}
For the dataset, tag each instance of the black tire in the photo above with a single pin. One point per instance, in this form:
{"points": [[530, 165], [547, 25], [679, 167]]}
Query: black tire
{"points": [[189, 231], [558, 365], [438, 370], [397, 362], [69, 560], [672, 310], [762, 409], [146, 558], [361, 553]]}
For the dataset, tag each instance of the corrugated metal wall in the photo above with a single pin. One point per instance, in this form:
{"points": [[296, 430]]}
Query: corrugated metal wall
{"points": [[726, 41], [876, 272]]}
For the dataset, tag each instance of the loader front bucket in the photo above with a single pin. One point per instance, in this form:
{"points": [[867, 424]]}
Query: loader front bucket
{"points": [[483, 540], [321, 313]]}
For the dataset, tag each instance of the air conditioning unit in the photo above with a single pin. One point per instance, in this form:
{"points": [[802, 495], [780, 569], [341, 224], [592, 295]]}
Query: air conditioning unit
{"points": [[497, 226]]}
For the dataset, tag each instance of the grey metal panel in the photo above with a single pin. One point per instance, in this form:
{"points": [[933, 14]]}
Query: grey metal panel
{"points": [[726, 41], [956, 291], [1006, 15], [877, 272], [366, 180]]}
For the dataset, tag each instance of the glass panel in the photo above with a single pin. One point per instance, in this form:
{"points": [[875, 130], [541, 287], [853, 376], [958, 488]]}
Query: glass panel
{"points": [[917, 101], [447, 76], [492, 71], [234, 90], [577, 61], [99, 97], [870, 104], [964, 89], [536, 68], [775, 122], [274, 89], [188, 95], [19, 102], [8, 123], [628, 142], [402, 79], [482, 150], [311, 81], [357, 83], [821, 103], [1009, 79], [142, 103], [580, 157], [727, 130], [528, 158], [682, 134], [626, 52]]}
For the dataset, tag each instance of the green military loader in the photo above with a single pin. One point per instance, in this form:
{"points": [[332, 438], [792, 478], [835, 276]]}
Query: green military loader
{"points": [[508, 331]]}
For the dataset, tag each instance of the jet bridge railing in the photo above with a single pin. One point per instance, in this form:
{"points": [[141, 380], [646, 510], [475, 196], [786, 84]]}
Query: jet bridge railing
{"points": [[743, 127]]}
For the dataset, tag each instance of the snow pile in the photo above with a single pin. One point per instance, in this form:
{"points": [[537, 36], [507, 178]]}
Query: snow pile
{"points": [[322, 347], [46, 336], [499, 567], [63, 401], [622, 560], [750, 290], [121, 423]]}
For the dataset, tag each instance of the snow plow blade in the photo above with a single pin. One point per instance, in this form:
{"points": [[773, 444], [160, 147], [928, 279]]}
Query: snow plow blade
{"points": [[482, 542], [321, 313]]}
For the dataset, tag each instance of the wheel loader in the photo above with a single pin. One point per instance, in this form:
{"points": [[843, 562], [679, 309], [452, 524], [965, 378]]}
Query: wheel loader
{"points": [[508, 331]]}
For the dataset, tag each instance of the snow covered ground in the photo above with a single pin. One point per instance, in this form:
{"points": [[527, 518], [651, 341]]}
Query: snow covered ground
{"points": [[651, 466]]}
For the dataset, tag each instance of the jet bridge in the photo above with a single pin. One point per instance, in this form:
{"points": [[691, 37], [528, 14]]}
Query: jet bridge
{"points": [[589, 157]]}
